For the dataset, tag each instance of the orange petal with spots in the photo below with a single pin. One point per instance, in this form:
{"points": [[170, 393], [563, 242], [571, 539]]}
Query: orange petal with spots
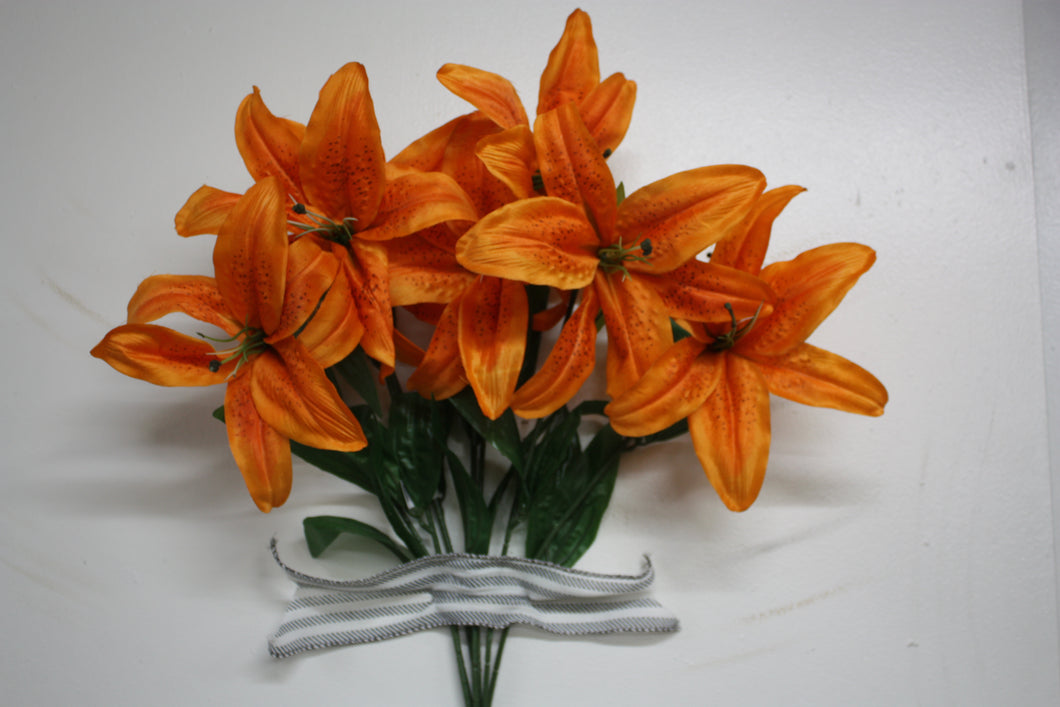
{"points": [[608, 110], [250, 256], [492, 334], [573, 167], [730, 432], [687, 212], [573, 68], [161, 356], [568, 366], [204, 211], [335, 328], [440, 373], [194, 295], [262, 454], [492, 94], [462, 164], [311, 270], [638, 329], [510, 157], [813, 376], [366, 270], [808, 288], [418, 201], [294, 397], [341, 158], [269, 145], [673, 388], [422, 272], [745, 248], [542, 241], [699, 291], [424, 154]]}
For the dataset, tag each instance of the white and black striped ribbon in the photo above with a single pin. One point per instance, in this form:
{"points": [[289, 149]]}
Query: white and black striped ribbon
{"points": [[464, 590]]}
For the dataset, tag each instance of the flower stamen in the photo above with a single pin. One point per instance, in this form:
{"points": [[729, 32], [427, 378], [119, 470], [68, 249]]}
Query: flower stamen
{"points": [[726, 341], [614, 257]]}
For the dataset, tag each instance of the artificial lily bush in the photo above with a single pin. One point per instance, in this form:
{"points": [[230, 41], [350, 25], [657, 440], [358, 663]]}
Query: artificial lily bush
{"points": [[498, 233]]}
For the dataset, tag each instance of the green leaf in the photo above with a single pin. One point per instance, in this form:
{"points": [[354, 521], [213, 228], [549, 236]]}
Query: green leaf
{"points": [[679, 331], [675, 430], [417, 439], [357, 370], [502, 433], [354, 467], [567, 508], [476, 515], [321, 531]]}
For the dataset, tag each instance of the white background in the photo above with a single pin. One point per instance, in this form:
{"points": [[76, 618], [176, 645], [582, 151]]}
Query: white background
{"points": [[901, 560]]}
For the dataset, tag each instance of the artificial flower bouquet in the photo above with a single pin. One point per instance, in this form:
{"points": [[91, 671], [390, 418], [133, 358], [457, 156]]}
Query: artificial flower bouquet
{"points": [[421, 326]]}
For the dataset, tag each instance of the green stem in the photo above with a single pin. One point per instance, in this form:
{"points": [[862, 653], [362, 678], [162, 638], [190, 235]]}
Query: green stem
{"points": [[465, 685], [492, 684]]}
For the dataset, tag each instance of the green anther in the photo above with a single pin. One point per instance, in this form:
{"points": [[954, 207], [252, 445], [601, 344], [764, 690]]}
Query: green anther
{"points": [[613, 258], [341, 233], [253, 343], [727, 340]]}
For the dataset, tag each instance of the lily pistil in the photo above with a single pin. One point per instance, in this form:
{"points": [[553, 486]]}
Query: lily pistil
{"points": [[738, 329]]}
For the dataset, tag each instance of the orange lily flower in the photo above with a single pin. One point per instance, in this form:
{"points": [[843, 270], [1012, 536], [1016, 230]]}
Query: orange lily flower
{"points": [[334, 171], [720, 378], [282, 305], [628, 256], [572, 74]]}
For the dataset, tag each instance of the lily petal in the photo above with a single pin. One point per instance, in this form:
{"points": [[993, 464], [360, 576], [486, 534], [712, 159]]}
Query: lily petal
{"points": [[608, 110], [808, 288], [813, 376], [204, 211], [638, 329], [731, 435], [510, 157], [194, 295], [573, 68], [745, 249], [462, 164], [699, 291], [335, 328], [492, 94], [493, 316], [440, 374], [268, 145], [262, 454], [250, 256], [673, 388], [161, 356], [311, 270], [417, 201], [573, 167], [422, 272], [341, 157], [294, 396], [687, 212], [568, 366], [424, 154], [542, 241], [366, 271]]}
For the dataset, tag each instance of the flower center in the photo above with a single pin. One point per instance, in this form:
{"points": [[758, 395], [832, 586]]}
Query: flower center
{"points": [[338, 232], [251, 342], [613, 258], [726, 341]]}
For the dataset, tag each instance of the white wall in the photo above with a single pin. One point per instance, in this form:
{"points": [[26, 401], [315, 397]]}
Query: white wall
{"points": [[900, 560]]}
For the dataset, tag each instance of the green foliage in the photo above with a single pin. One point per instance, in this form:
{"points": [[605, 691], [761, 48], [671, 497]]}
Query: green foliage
{"points": [[322, 531]]}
